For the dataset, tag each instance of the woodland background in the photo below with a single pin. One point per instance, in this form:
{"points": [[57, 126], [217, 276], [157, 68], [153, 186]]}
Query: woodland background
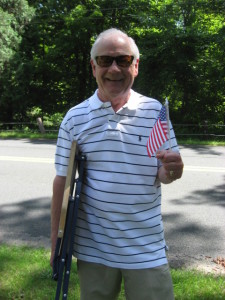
{"points": [[45, 55]]}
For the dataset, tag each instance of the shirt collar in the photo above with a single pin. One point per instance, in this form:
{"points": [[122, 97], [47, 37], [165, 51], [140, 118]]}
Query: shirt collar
{"points": [[133, 102], [96, 103]]}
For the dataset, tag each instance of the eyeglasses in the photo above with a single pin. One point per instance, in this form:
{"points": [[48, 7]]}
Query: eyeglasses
{"points": [[122, 60]]}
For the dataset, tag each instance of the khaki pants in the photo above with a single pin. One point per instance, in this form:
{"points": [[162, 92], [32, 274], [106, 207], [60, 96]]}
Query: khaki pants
{"points": [[98, 282]]}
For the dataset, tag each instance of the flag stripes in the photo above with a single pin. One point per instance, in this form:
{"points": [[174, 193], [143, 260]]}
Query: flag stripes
{"points": [[159, 133]]}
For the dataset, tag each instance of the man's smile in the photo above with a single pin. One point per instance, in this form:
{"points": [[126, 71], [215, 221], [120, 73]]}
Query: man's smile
{"points": [[114, 80]]}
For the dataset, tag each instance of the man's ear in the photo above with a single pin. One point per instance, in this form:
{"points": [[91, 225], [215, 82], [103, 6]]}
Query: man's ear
{"points": [[93, 68], [136, 68]]}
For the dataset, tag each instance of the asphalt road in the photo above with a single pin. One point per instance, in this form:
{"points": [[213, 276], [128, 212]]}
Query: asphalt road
{"points": [[193, 207]]}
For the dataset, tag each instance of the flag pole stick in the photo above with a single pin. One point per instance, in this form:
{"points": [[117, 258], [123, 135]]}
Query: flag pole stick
{"points": [[168, 121]]}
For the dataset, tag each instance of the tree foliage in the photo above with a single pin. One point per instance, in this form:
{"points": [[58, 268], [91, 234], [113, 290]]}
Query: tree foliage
{"points": [[45, 60]]}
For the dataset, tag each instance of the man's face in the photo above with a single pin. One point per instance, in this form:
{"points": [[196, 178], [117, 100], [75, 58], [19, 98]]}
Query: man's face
{"points": [[114, 82]]}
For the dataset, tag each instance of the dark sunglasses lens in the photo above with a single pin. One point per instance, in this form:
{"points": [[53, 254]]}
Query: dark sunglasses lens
{"points": [[122, 61], [104, 61]]}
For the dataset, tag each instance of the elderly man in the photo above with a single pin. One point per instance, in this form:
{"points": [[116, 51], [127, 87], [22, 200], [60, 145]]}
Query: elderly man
{"points": [[119, 230]]}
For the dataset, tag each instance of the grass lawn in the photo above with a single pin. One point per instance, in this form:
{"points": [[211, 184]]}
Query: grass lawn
{"points": [[23, 135], [25, 274]]}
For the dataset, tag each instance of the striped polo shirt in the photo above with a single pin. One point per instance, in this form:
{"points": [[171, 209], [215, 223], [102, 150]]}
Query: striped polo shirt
{"points": [[119, 220]]}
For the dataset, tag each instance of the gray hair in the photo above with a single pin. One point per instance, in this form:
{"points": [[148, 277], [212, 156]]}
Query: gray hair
{"points": [[111, 31]]}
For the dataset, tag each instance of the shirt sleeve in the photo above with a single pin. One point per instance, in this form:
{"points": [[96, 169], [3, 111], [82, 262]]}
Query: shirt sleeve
{"points": [[63, 147]]}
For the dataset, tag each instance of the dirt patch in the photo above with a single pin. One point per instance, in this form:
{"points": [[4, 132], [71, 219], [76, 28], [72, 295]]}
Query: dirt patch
{"points": [[202, 263]]}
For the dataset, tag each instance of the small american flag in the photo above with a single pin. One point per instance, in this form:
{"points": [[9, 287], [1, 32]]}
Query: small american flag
{"points": [[159, 133]]}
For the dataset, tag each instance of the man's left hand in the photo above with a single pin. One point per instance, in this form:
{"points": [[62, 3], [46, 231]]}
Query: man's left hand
{"points": [[172, 166]]}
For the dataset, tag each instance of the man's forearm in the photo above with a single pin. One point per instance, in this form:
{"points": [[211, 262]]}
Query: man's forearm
{"points": [[57, 198]]}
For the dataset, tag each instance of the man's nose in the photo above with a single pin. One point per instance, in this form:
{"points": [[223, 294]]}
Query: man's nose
{"points": [[114, 65]]}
